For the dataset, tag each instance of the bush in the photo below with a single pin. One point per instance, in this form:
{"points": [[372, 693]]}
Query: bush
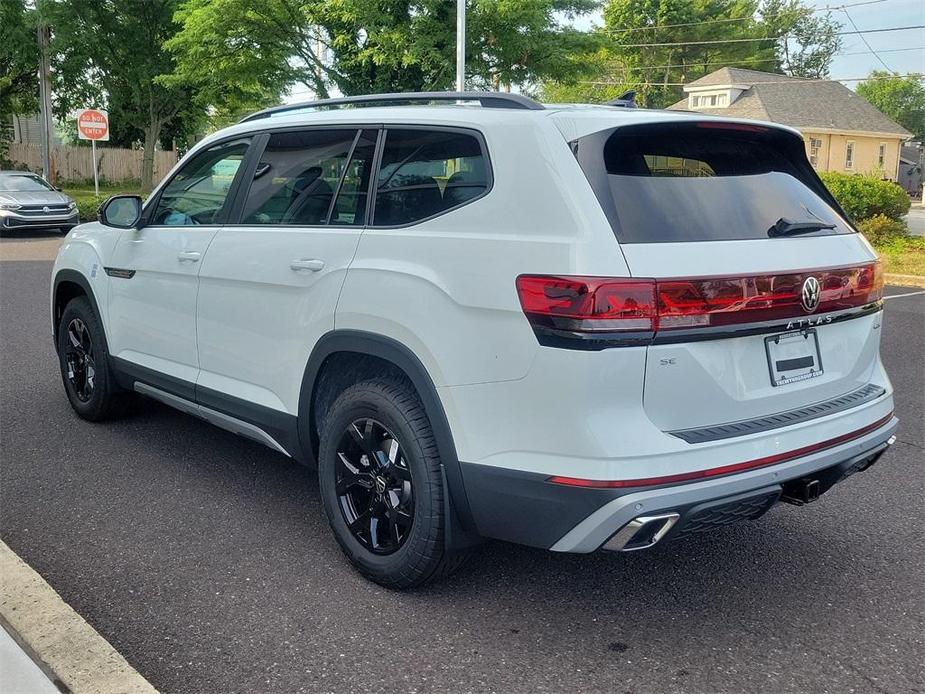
{"points": [[880, 229], [863, 197], [89, 206]]}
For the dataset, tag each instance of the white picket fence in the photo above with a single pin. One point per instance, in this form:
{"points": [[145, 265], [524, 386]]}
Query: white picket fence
{"points": [[75, 164]]}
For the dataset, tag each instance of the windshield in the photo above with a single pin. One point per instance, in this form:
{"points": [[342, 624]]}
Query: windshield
{"points": [[700, 182], [25, 183]]}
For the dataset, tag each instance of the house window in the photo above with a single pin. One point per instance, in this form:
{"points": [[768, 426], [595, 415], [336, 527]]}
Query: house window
{"points": [[881, 155], [849, 155], [814, 146]]}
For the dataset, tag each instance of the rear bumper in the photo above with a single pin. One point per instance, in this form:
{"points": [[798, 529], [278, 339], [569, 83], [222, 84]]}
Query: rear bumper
{"points": [[527, 508]]}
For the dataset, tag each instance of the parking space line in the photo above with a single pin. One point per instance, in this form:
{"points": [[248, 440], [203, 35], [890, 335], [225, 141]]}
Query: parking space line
{"points": [[900, 296]]}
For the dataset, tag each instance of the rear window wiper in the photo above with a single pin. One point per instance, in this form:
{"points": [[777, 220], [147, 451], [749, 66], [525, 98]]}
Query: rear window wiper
{"points": [[787, 227]]}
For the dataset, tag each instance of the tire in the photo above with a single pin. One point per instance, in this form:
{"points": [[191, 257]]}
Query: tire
{"points": [[396, 499], [83, 358]]}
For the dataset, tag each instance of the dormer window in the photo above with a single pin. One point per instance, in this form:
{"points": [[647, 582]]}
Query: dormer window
{"points": [[711, 100]]}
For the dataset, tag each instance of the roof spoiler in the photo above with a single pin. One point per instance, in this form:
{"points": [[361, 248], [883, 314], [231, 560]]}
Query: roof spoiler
{"points": [[485, 99], [626, 100]]}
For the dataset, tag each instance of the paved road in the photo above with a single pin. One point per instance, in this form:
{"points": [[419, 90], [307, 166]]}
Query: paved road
{"points": [[205, 560], [916, 220]]}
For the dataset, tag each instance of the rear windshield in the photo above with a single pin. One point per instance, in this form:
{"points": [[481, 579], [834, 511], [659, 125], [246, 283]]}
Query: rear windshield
{"points": [[700, 182]]}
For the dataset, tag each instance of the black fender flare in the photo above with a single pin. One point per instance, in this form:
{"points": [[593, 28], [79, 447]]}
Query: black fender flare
{"points": [[461, 528], [80, 280]]}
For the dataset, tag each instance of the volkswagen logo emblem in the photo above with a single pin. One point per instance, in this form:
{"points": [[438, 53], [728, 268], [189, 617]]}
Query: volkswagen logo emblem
{"points": [[809, 295], [46, 209], [381, 484]]}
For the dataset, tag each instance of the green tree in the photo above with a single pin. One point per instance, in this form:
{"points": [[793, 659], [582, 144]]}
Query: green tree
{"points": [[110, 53], [655, 46], [243, 54], [901, 98], [19, 61]]}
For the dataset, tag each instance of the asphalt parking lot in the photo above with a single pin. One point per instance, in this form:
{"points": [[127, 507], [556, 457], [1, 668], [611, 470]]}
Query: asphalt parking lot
{"points": [[205, 560]]}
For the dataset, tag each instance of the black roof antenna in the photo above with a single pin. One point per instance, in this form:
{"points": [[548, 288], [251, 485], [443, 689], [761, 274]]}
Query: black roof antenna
{"points": [[626, 100]]}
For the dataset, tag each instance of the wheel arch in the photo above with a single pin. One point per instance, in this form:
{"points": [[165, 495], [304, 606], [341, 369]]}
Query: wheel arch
{"points": [[68, 285], [461, 529]]}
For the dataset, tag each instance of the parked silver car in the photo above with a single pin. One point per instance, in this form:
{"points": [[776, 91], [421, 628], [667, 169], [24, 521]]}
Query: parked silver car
{"points": [[27, 201]]}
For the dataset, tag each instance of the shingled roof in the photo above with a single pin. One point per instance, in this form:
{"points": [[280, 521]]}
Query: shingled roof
{"points": [[799, 103]]}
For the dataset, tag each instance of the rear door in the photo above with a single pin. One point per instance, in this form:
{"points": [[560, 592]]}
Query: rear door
{"points": [[767, 299], [270, 281]]}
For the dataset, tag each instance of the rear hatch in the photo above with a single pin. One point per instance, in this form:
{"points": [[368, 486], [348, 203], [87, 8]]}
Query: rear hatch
{"points": [[767, 299]]}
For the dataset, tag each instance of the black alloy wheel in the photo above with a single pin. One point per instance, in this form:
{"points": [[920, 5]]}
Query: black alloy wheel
{"points": [[80, 360], [374, 486]]}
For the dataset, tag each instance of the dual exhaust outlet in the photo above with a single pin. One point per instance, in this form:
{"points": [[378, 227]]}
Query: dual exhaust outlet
{"points": [[646, 531]]}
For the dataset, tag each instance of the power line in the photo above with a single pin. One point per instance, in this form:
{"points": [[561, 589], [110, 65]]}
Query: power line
{"points": [[869, 47], [753, 60], [732, 19], [760, 38], [786, 81]]}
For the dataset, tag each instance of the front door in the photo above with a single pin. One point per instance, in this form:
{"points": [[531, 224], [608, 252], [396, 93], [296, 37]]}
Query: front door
{"points": [[154, 272]]}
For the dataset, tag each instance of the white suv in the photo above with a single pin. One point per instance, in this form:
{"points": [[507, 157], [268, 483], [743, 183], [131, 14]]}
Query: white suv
{"points": [[569, 327]]}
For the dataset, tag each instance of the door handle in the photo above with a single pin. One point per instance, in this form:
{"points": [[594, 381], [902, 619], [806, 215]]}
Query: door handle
{"points": [[189, 256], [312, 264]]}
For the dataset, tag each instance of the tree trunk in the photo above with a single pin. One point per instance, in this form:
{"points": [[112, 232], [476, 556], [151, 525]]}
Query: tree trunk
{"points": [[152, 135]]}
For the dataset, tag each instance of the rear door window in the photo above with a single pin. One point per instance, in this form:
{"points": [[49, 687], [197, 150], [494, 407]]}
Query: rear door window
{"points": [[696, 182], [427, 172]]}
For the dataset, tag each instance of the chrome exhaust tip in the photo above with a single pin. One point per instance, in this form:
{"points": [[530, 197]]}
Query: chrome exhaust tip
{"points": [[641, 532]]}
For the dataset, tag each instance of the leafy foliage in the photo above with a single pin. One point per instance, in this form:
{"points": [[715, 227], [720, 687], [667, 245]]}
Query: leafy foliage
{"points": [[881, 229], [111, 54], [901, 98], [863, 197], [18, 65], [714, 33], [243, 54]]}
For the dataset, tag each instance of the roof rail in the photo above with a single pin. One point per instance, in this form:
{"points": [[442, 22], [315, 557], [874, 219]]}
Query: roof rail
{"points": [[486, 99]]}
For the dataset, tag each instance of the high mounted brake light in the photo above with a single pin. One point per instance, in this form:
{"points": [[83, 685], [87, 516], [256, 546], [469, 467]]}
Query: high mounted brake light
{"points": [[606, 311]]}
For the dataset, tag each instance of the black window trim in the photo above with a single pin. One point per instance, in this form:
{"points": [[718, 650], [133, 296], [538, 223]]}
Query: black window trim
{"points": [[150, 205], [489, 171], [237, 210]]}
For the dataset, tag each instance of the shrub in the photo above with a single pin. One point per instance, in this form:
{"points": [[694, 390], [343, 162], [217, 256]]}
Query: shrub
{"points": [[866, 196], [89, 206], [881, 230]]}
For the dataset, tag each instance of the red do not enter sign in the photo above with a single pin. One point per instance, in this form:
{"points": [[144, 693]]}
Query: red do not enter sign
{"points": [[92, 124]]}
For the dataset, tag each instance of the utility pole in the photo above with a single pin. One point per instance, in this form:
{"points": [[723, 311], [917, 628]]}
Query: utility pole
{"points": [[45, 99], [460, 45]]}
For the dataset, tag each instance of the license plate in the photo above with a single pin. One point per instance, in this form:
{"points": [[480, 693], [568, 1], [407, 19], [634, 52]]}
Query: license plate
{"points": [[793, 357]]}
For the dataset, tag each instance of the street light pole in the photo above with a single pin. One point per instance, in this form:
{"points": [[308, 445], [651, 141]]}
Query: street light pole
{"points": [[460, 45]]}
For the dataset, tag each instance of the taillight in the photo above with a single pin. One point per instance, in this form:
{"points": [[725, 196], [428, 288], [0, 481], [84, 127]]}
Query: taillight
{"points": [[588, 304], [588, 307]]}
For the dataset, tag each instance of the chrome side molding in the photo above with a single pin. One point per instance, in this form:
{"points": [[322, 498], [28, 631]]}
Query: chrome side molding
{"points": [[219, 419]]}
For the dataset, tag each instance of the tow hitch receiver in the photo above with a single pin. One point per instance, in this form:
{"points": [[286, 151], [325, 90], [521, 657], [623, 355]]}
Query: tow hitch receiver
{"points": [[800, 492]]}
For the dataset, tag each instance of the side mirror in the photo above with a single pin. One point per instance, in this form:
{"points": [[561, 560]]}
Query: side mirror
{"points": [[121, 211]]}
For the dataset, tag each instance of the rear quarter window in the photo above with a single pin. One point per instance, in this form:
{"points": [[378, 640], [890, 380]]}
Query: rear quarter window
{"points": [[703, 182]]}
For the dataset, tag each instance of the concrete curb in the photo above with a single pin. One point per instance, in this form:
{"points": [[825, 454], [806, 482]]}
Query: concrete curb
{"points": [[71, 652], [904, 280]]}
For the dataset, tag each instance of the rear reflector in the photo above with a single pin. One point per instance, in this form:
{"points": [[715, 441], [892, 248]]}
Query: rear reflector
{"points": [[580, 305], [725, 469]]}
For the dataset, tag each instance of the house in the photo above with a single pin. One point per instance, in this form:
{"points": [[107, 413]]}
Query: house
{"points": [[843, 132]]}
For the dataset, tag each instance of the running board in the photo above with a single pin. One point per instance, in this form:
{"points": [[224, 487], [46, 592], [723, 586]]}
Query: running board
{"points": [[219, 419]]}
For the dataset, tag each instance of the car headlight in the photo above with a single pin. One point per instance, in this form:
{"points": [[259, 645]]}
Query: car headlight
{"points": [[9, 206], [72, 205]]}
